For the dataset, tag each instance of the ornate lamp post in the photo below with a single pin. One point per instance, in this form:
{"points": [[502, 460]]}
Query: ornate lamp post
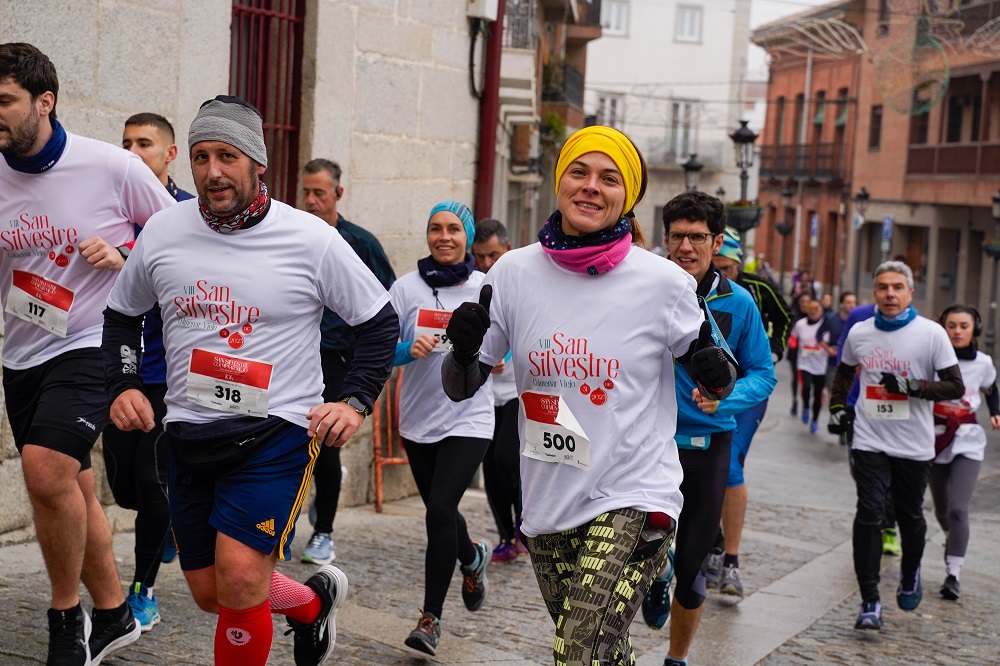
{"points": [[784, 228], [861, 200], [992, 250], [692, 172], [721, 193], [743, 138]]}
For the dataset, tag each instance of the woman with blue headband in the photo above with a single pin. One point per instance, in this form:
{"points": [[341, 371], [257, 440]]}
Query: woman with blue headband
{"points": [[445, 442], [594, 323]]}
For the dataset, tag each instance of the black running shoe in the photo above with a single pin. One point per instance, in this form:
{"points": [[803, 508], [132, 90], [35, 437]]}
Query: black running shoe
{"points": [[314, 642], [474, 583], [109, 637], [950, 588], [426, 636], [69, 631]]}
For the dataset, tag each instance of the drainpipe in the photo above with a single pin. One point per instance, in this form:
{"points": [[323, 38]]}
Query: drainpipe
{"points": [[489, 111]]}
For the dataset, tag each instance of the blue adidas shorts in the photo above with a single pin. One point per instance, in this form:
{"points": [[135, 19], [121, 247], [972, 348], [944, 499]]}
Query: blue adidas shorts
{"points": [[746, 427], [256, 503]]}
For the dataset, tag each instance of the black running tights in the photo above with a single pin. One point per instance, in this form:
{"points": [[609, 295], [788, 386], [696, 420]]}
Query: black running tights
{"points": [[442, 471]]}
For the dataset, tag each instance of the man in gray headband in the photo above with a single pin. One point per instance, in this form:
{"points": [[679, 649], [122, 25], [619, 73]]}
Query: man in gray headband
{"points": [[244, 281], [229, 187]]}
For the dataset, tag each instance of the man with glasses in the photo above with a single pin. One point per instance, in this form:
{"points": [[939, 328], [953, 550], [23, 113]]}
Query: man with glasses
{"points": [[722, 566], [694, 223]]}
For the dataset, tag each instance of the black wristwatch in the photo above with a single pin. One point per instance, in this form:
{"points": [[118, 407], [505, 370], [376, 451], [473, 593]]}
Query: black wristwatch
{"points": [[354, 403], [124, 250]]}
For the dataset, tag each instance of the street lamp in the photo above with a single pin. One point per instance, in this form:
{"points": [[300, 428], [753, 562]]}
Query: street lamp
{"points": [[784, 228], [861, 200], [992, 250], [743, 138], [720, 193], [692, 172]]}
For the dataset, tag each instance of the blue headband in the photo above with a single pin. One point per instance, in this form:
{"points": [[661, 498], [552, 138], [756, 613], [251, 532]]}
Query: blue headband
{"points": [[462, 212]]}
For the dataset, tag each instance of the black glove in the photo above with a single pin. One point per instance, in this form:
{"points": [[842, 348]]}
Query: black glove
{"points": [[898, 384], [841, 419], [468, 325], [715, 375]]}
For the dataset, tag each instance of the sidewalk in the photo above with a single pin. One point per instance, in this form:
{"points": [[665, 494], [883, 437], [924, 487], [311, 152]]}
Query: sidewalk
{"points": [[796, 560]]}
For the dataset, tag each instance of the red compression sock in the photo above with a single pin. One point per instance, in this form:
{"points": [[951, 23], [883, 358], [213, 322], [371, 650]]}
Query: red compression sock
{"points": [[293, 599], [243, 637]]}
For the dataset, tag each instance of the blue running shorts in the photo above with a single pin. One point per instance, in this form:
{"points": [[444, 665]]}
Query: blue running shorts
{"points": [[256, 503], [746, 427]]}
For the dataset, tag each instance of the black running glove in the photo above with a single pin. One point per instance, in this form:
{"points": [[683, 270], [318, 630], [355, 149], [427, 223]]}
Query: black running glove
{"points": [[468, 325], [898, 384], [711, 369], [841, 419]]}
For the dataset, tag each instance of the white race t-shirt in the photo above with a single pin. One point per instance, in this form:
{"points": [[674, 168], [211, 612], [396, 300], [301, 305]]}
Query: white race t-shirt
{"points": [[970, 438], [504, 386], [53, 299], [812, 358], [242, 310], [915, 351], [426, 414], [593, 361]]}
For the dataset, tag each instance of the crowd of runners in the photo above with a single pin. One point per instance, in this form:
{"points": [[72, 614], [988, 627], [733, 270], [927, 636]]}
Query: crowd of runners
{"points": [[227, 344]]}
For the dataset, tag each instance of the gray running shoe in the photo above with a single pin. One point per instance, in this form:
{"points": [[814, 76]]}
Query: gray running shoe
{"points": [[730, 583], [712, 568], [474, 583], [426, 636]]}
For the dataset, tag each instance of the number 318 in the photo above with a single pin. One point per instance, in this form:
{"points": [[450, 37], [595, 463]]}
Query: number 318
{"points": [[233, 395]]}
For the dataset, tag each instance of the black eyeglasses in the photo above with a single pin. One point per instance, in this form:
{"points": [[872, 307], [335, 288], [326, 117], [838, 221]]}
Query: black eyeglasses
{"points": [[696, 238]]}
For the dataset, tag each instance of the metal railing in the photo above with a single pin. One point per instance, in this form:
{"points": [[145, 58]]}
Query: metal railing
{"points": [[817, 161], [519, 25], [563, 83]]}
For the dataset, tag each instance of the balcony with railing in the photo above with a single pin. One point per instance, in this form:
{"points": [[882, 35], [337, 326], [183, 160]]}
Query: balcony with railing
{"points": [[817, 161], [562, 83], [519, 25]]}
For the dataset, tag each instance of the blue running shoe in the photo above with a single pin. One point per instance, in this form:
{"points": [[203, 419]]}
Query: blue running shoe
{"points": [[805, 415], [814, 427], [656, 603], [145, 607], [908, 597], [870, 616], [169, 550], [319, 550]]}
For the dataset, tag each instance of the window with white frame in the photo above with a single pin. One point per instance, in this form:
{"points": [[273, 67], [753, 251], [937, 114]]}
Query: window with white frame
{"points": [[610, 110], [683, 119], [687, 27], [614, 17]]}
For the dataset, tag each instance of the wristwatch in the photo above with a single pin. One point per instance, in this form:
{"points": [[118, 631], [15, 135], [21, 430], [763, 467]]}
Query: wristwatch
{"points": [[354, 403], [124, 250]]}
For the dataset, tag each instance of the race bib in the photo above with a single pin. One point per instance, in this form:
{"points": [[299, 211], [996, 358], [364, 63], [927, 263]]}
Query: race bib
{"points": [[228, 383], [434, 322], [40, 302], [552, 433], [880, 405]]}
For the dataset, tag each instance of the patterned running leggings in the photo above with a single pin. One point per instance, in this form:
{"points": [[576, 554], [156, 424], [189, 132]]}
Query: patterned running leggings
{"points": [[593, 579]]}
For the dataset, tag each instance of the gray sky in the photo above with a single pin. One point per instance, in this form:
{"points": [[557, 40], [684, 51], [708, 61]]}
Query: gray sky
{"points": [[765, 11]]}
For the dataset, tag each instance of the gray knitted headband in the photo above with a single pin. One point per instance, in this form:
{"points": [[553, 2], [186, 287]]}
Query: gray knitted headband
{"points": [[233, 121]]}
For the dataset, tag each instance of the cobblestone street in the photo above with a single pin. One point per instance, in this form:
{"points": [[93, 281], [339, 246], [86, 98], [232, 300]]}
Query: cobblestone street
{"points": [[800, 605]]}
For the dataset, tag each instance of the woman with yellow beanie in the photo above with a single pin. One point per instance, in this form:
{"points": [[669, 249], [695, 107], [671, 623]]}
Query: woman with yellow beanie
{"points": [[594, 324]]}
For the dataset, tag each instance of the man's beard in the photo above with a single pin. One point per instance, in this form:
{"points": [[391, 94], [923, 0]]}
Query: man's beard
{"points": [[22, 137], [240, 203]]}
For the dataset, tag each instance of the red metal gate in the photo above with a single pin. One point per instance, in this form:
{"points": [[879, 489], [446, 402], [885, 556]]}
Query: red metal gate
{"points": [[265, 69]]}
